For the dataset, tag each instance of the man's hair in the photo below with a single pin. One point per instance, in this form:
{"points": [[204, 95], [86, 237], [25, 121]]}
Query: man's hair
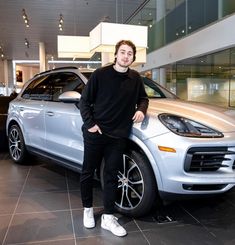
{"points": [[125, 42]]}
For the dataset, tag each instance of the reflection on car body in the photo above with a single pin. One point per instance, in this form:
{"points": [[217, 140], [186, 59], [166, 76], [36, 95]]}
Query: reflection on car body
{"points": [[181, 148]]}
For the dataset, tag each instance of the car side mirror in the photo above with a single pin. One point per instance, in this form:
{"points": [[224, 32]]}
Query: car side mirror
{"points": [[70, 97]]}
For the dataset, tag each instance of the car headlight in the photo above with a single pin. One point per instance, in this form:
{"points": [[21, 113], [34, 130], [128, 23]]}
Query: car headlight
{"points": [[187, 127]]}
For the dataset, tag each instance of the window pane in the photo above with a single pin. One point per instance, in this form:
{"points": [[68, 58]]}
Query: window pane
{"points": [[63, 82], [201, 13], [31, 92], [228, 7], [232, 78], [175, 23]]}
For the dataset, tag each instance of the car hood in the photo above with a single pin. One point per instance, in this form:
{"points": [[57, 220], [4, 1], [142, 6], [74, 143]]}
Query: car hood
{"points": [[219, 118]]}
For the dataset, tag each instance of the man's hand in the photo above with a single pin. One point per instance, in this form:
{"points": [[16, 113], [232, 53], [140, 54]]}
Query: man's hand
{"points": [[138, 117], [95, 129]]}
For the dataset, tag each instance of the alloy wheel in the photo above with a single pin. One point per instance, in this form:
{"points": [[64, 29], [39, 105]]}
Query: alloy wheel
{"points": [[15, 144], [130, 185]]}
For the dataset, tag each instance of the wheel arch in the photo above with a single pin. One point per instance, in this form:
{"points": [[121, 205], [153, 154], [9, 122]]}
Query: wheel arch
{"points": [[15, 119], [136, 144], [13, 122]]}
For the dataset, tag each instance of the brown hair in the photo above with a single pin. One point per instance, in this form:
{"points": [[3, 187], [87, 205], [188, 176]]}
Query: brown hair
{"points": [[125, 42]]}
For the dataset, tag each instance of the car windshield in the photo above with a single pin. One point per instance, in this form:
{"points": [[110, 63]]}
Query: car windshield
{"points": [[156, 91]]}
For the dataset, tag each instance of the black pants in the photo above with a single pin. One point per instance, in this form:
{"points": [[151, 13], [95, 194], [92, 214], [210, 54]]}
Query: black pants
{"points": [[97, 147]]}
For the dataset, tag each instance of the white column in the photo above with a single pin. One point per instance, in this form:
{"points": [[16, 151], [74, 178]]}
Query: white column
{"points": [[105, 58], [163, 77], [42, 57], [6, 80], [156, 75], [159, 75]]}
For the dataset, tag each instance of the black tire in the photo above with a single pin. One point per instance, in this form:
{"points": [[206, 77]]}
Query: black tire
{"points": [[16, 144], [137, 188]]}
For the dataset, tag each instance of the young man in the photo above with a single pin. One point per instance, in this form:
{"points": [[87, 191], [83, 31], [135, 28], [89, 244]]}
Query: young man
{"points": [[112, 100]]}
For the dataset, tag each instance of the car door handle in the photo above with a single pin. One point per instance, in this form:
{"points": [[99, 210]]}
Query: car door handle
{"points": [[50, 113], [21, 108]]}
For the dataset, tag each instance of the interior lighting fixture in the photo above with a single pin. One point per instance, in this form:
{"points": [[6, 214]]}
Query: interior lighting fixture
{"points": [[25, 18], [61, 22], [26, 42], [73, 47], [102, 41]]}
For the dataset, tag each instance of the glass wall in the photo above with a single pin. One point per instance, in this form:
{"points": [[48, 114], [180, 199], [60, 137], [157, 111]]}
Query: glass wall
{"points": [[232, 78], [209, 79], [169, 20]]}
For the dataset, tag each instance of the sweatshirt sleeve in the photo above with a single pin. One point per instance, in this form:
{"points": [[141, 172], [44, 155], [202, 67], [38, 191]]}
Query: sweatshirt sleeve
{"points": [[87, 101], [143, 101]]}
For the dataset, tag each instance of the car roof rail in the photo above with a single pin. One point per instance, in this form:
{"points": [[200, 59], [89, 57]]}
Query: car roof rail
{"points": [[56, 69], [64, 67]]}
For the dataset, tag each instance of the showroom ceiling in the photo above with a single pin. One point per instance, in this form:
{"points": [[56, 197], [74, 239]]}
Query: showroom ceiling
{"points": [[79, 18]]}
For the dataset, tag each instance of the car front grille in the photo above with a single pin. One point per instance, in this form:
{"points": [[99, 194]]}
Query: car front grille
{"points": [[200, 159]]}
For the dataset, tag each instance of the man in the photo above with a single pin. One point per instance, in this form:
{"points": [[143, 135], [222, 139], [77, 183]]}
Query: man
{"points": [[112, 100]]}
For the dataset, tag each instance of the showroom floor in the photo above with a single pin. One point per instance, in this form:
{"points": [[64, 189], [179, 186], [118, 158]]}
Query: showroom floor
{"points": [[40, 204]]}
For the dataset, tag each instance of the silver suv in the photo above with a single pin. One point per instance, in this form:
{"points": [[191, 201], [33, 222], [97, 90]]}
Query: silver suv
{"points": [[181, 148]]}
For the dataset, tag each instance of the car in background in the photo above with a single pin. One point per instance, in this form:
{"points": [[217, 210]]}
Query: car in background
{"points": [[181, 148], [4, 104]]}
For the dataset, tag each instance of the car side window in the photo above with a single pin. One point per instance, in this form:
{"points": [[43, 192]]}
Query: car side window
{"points": [[49, 87], [63, 82], [36, 90]]}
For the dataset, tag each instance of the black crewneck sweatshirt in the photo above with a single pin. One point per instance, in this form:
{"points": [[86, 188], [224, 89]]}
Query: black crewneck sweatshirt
{"points": [[110, 99]]}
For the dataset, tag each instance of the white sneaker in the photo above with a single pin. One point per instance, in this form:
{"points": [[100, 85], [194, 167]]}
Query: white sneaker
{"points": [[109, 222], [88, 218]]}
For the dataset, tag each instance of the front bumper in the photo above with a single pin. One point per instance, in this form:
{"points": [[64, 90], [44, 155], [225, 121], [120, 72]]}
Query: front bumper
{"points": [[199, 165]]}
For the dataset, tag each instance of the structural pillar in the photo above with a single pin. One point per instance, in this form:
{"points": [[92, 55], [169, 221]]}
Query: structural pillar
{"points": [[42, 57], [155, 75], [8, 76], [159, 75], [6, 79], [163, 77], [105, 58]]}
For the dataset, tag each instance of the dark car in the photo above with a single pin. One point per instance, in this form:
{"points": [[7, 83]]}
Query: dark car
{"points": [[4, 104]]}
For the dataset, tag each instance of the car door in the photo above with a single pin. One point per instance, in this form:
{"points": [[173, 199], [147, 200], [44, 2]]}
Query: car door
{"points": [[63, 120], [32, 114]]}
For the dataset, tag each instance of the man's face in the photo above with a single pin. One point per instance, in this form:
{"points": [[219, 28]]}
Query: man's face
{"points": [[124, 56]]}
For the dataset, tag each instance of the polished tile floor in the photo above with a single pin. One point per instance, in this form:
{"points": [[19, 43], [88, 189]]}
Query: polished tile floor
{"points": [[40, 204]]}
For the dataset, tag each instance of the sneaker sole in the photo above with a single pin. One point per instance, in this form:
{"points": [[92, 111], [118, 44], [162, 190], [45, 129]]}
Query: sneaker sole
{"points": [[106, 228], [89, 227]]}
